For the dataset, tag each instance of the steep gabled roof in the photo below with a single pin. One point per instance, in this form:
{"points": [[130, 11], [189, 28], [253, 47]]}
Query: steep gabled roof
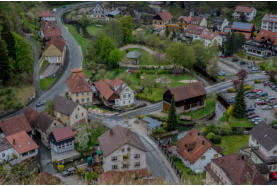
{"points": [[265, 135], [244, 9], [186, 19], [22, 142], [77, 82], [62, 134], [58, 42], [165, 15], [267, 35], [45, 13], [51, 31], [194, 29], [238, 171], [63, 105], [118, 136], [188, 91], [15, 124], [192, 146], [207, 34]]}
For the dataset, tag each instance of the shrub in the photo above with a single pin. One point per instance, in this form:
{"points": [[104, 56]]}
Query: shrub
{"points": [[210, 135], [60, 167], [230, 110], [225, 129], [247, 87], [216, 139], [141, 117], [257, 81], [80, 171], [231, 90]]}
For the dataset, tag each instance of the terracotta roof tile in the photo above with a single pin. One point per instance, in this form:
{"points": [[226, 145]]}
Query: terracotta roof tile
{"points": [[45, 13], [267, 35], [31, 115], [188, 91], [192, 146], [58, 42], [186, 19], [77, 82], [239, 171], [62, 134], [194, 29], [15, 124], [207, 34], [244, 9], [118, 136], [165, 16], [21, 142], [51, 31]]}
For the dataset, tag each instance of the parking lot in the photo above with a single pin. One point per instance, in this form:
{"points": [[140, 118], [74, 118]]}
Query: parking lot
{"points": [[266, 115]]}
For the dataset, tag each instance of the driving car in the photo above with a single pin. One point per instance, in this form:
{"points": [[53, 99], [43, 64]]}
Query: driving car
{"points": [[40, 103]]}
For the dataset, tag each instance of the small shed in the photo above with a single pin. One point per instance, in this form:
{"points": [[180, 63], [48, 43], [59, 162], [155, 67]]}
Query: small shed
{"points": [[152, 124], [113, 13], [134, 56]]}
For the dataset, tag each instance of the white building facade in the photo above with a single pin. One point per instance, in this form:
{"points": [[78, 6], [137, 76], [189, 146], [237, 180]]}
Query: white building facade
{"points": [[126, 97]]}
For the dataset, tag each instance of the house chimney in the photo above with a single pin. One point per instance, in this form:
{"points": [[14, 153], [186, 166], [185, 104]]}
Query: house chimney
{"points": [[14, 141]]}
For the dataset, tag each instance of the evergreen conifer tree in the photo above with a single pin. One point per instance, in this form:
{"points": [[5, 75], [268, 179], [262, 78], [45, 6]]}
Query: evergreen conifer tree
{"points": [[172, 116], [239, 105]]}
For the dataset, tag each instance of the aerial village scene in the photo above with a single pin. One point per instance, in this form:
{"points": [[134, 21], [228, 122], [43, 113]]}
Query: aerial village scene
{"points": [[138, 92]]}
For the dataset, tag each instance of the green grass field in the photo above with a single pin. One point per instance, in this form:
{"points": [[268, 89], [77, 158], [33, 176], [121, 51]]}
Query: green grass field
{"points": [[93, 29], [46, 83], [244, 122], [232, 144]]}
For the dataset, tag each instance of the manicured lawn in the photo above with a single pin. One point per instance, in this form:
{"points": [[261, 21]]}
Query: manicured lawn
{"points": [[93, 29], [244, 122], [208, 109], [190, 178], [232, 144], [46, 83], [43, 67]]}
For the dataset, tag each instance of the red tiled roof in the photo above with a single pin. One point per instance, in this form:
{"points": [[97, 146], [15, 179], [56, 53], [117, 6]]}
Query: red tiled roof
{"points": [[267, 35], [186, 19], [45, 13], [244, 9], [188, 91], [239, 171], [47, 23], [77, 82], [22, 142], [62, 134], [192, 146], [58, 42], [207, 34], [15, 124], [108, 87], [51, 31], [119, 177], [31, 115], [194, 29], [78, 72], [165, 16]]}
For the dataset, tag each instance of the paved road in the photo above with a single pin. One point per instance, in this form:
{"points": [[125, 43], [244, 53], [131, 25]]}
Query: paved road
{"points": [[150, 51]]}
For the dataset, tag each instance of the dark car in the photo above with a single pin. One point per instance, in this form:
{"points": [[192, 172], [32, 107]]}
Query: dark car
{"points": [[242, 63], [250, 113], [235, 59], [250, 109], [252, 116], [262, 94], [40, 103], [252, 96], [66, 173]]}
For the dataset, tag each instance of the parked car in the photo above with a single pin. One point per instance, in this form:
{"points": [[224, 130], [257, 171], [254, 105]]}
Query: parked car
{"points": [[242, 62], [266, 107], [231, 100], [235, 59], [261, 103], [252, 116], [273, 175], [66, 173], [248, 91], [264, 72], [249, 109], [257, 90], [254, 69], [262, 94], [257, 119], [72, 170], [254, 96], [40, 103], [221, 73], [250, 94], [250, 113]]}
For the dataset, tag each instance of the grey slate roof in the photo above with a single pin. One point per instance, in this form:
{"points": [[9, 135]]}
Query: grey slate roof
{"points": [[152, 123], [116, 137], [134, 54], [265, 135], [4, 144], [63, 105], [43, 121]]}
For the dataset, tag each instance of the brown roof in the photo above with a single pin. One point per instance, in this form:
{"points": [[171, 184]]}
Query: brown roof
{"points": [[110, 88], [4, 144], [15, 124], [118, 136], [194, 29], [63, 105], [51, 31], [43, 24], [165, 15], [192, 146], [43, 121], [196, 20], [267, 35], [238, 171], [45, 13], [207, 34], [122, 177], [31, 115], [77, 71], [58, 42], [22, 142], [188, 91], [186, 19], [77, 82], [62, 134], [244, 9]]}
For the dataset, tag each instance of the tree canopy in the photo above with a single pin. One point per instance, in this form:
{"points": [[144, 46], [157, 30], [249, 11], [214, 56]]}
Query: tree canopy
{"points": [[127, 27]]}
